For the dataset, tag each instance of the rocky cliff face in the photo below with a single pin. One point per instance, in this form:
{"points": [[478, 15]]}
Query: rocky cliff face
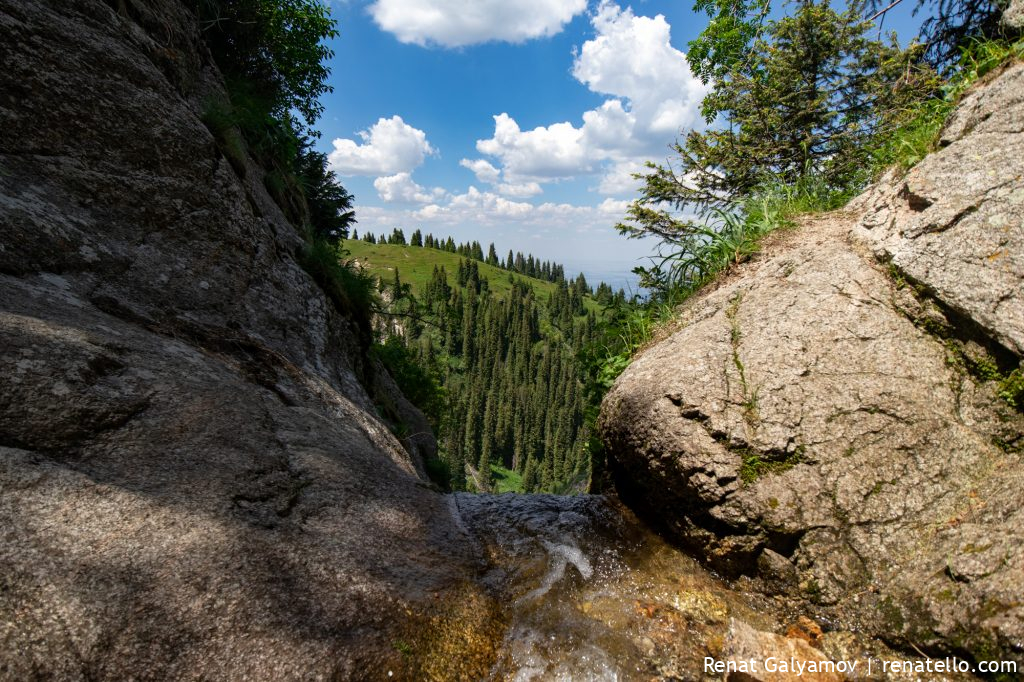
{"points": [[195, 479], [827, 420]]}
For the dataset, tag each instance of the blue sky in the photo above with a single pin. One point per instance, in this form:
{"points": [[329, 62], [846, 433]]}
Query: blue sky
{"points": [[516, 122]]}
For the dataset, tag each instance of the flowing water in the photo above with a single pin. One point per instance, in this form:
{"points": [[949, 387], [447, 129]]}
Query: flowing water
{"points": [[591, 595]]}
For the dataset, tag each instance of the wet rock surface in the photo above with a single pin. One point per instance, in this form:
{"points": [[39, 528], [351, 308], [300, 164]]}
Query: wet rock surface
{"points": [[586, 592], [827, 420]]}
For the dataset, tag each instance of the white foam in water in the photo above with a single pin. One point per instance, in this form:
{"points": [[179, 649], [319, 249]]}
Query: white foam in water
{"points": [[533, 662], [560, 556], [573, 555]]}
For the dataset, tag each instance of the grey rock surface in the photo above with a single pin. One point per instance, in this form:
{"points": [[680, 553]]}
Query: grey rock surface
{"points": [[195, 482], [955, 223], [1013, 15], [827, 422]]}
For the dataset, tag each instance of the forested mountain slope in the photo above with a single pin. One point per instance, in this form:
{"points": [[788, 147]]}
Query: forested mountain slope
{"points": [[504, 352]]}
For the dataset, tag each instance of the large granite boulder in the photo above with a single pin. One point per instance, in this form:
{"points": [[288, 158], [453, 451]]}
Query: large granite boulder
{"points": [[197, 476], [955, 224], [834, 420]]}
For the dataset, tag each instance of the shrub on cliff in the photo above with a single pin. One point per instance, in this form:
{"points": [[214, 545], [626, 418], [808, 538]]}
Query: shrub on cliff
{"points": [[273, 55], [277, 47]]}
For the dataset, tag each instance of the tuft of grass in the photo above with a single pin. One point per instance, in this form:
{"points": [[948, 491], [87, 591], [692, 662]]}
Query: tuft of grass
{"points": [[439, 472], [728, 238], [916, 130], [351, 291], [629, 328], [1011, 389], [754, 466]]}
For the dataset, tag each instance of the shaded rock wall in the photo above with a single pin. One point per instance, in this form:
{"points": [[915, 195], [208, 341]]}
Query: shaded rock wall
{"points": [[826, 422], [195, 481]]}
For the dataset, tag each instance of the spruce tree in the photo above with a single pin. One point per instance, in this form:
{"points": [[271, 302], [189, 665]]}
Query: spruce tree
{"points": [[800, 98]]}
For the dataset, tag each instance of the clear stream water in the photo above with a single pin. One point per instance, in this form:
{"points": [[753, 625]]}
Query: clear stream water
{"points": [[589, 593], [592, 595]]}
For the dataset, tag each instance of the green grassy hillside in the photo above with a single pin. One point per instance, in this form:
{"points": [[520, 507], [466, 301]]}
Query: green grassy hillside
{"points": [[416, 263]]}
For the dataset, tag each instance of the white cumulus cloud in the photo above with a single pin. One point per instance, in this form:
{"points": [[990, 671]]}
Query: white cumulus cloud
{"points": [[519, 190], [653, 98], [454, 23], [546, 152], [390, 146], [483, 169], [486, 173], [632, 58], [618, 177], [401, 188], [614, 207]]}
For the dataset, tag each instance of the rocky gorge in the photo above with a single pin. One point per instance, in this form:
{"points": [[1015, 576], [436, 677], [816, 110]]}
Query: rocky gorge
{"points": [[200, 476]]}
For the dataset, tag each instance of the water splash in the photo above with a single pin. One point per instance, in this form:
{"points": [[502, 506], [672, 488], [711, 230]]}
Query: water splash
{"points": [[591, 594], [560, 556]]}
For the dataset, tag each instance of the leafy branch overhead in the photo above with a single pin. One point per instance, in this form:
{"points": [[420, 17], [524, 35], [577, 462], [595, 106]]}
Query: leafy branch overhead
{"points": [[277, 46]]}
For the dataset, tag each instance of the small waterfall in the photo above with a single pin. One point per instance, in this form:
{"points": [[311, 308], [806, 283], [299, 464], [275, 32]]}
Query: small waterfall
{"points": [[591, 594]]}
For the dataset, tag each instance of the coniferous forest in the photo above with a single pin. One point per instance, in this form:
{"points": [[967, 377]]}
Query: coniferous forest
{"points": [[493, 351]]}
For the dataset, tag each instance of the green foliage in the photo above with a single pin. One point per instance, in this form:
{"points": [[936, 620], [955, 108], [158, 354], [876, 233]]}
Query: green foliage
{"points": [[810, 90], [222, 121], [276, 47], [329, 204], [627, 328], [914, 130], [802, 98], [951, 24], [1011, 389], [350, 290], [418, 384], [724, 45], [439, 472], [505, 356]]}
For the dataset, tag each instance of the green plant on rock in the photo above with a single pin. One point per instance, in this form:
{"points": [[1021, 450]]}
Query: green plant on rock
{"points": [[912, 131], [754, 465], [415, 380], [273, 55], [1011, 389], [276, 47], [345, 285]]}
